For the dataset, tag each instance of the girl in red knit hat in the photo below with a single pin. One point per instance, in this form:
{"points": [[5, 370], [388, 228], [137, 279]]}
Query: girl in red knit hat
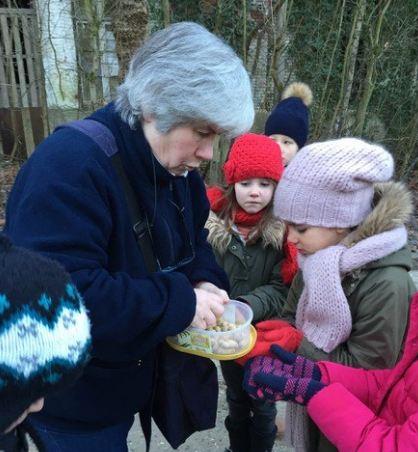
{"points": [[249, 244]]}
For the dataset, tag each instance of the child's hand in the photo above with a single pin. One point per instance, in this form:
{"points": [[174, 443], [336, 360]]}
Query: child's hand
{"points": [[295, 365], [273, 332], [253, 367], [291, 377], [271, 325], [260, 348], [280, 333], [283, 387]]}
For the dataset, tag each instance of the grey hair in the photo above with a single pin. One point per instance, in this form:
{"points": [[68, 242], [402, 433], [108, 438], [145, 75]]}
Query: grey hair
{"points": [[184, 74]]}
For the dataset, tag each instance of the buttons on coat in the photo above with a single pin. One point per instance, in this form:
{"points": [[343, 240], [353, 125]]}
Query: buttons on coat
{"points": [[139, 363]]}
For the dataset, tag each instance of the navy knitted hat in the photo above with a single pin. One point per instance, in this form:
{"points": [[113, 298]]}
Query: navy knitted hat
{"points": [[44, 330], [290, 116]]}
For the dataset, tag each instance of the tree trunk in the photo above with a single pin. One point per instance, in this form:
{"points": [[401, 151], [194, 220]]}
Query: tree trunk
{"points": [[352, 65], [94, 14], [278, 73], [409, 147], [130, 27], [323, 103], [368, 84], [350, 58], [257, 49]]}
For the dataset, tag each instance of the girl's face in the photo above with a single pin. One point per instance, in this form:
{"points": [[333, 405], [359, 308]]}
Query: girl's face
{"points": [[253, 195], [310, 239], [287, 145]]}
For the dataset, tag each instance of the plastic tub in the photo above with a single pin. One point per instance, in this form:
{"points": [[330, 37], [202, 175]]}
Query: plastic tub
{"points": [[233, 337]]}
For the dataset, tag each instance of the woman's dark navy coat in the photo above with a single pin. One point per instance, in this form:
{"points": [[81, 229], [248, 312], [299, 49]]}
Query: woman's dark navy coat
{"points": [[67, 203]]}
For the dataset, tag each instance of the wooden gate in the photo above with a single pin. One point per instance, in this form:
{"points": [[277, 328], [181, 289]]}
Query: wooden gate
{"points": [[22, 98]]}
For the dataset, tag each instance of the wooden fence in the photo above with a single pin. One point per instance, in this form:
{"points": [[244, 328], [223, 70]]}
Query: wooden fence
{"points": [[22, 99]]}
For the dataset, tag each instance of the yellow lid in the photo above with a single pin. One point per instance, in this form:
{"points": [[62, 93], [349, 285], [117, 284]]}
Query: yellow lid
{"points": [[180, 348]]}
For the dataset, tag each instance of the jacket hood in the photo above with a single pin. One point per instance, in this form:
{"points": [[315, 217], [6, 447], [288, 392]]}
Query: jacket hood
{"points": [[392, 208], [220, 236]]}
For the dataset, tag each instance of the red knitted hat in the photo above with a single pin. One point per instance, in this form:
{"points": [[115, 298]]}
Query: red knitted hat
{"points": [[253, 156]]}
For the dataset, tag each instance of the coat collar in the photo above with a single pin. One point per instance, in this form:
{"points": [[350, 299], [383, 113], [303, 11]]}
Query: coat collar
{"points": [[392, 208], [138, 158], [220, 236]]}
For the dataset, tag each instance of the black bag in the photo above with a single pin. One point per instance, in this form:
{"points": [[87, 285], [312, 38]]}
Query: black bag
{"points": [[186, 395], [185, 398]]}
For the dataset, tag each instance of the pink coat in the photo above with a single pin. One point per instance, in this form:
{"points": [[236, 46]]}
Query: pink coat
{"points": [[374, 410]]}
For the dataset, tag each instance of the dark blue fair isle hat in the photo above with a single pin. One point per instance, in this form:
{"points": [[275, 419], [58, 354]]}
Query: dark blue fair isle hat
{"points": [[290, 116], [44, 330]]}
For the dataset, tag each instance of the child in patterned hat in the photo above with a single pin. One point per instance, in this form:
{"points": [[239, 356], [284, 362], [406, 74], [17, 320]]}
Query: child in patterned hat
{"points": [[44, 336], [249, 244], [288, 122]]}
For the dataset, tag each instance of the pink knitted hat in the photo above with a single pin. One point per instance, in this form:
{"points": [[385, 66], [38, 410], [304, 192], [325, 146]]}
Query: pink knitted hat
{"points": [[330, 184]]}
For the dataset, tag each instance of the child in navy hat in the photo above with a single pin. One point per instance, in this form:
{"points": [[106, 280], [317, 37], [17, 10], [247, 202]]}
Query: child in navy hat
{"points": [[288, 123], [44, 336]]}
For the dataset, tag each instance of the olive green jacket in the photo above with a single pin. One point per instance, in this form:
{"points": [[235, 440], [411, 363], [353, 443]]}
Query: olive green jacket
{"points": [[378, 295], [253, 268]]}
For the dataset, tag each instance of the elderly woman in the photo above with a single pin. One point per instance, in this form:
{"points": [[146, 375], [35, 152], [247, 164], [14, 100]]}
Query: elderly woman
{"points": [[184, 87]]}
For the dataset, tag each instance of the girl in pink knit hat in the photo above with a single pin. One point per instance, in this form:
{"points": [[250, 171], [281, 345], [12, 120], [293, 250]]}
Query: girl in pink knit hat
{"points": [[249, 244], [350, 301]]}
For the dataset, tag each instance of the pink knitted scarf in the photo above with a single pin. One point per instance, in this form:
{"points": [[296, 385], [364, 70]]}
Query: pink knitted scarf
{"points": [[323, 313]]}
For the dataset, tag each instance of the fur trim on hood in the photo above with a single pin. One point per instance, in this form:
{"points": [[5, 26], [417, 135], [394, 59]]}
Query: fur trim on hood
{"points": [[392, 208], [220, 237]]}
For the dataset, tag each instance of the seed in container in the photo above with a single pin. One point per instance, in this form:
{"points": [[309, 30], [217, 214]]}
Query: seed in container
{"points": [[222, 325]]}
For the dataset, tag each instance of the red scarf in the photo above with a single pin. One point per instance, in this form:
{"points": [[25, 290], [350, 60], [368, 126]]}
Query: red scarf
{"points": [[242, 218]]}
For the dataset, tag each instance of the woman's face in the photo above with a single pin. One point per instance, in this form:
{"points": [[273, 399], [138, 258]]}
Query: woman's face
{"points": [[181, 149], [253, 195], [34, 408], [310, 239], [288, 147]]}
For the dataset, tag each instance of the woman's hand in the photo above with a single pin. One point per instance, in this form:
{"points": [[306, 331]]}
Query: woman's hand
{"points": [[209, 306], [213, 289]]}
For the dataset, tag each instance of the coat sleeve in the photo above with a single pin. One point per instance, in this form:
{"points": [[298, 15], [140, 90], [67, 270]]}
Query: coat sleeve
{"points": [[379, 325], [204, 266], [267, 300], [363, 384], [352, 426], [67, 218], [290, 306]]}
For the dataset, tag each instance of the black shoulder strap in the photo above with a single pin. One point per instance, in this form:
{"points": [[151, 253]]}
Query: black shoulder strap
{"points": [[104, 138]]}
